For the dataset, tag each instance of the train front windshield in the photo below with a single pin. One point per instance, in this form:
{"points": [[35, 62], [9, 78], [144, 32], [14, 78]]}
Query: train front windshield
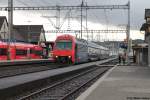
{"points": [[64, 45]]}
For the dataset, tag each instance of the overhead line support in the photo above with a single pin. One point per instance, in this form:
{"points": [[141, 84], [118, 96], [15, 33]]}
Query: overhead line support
{"points": [[68, 7]]}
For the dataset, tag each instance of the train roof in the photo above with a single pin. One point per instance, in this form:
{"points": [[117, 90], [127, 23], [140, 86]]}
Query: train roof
{"points": [[92, 44], [65, 36], [3, 44], [81, 41]]}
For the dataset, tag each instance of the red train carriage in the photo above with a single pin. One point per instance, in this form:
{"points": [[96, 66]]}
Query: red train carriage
{"points": [[38, 51], [64, 49], [25, 51], [67, 48], [3, 50], [21, 51]]}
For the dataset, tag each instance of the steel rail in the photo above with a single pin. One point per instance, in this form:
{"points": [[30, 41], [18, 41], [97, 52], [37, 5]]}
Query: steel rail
{"points": [[75, 90]]}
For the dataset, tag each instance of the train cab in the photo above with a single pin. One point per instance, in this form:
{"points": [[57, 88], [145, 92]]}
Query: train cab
{"points": [[64, 49]]}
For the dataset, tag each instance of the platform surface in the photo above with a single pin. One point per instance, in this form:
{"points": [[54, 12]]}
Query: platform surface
{"points": [[121, 83], [23, 61]]}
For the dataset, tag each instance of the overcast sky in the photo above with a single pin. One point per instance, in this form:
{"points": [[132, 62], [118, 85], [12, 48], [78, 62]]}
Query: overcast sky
{"points": [[102, 18]]}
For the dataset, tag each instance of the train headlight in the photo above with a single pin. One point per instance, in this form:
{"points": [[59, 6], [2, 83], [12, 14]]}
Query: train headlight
{"points": [[56, 56], [69, 56]]}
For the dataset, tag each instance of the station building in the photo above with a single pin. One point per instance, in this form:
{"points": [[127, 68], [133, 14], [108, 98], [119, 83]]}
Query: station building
{"points": [[29, 33], [144, 50], [3, 27], [140, 52], [26, 33]]}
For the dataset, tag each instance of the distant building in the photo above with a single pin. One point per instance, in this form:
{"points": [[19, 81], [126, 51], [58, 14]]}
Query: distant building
{"points": [[137, 41], [140, 52], [29, 33], [146, 27], [25, 33], [3, 27]]}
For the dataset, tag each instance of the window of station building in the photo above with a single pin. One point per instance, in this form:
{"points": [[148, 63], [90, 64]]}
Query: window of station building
{"points": [[21, 52], [67, 45], [3, 51]]}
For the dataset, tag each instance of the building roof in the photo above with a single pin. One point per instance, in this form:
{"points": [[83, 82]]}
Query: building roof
{"points": [[2, 18], [138, 46], [28, 33], [144, 26], [147, 13]]}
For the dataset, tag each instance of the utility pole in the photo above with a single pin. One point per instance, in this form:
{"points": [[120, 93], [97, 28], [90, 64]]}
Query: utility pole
{"points": [[81, 18], [87, 23], [92, 36], [128, 35], [57, 19], [10, 25], [69, 17], [29, 37]]}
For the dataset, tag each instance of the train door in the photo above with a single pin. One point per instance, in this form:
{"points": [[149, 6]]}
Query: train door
{"points": [[3, 53], [12, 51], [50, 53], [28, 53], [76, 53]]}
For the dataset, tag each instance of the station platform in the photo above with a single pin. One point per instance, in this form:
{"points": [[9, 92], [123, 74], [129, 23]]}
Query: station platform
{"points": [[121, 83], [24, 61]]}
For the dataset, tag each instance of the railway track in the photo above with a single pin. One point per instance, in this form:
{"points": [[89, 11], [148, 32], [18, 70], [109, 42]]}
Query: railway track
{"points": [[66, 88], [27, 68], [33, 82]]}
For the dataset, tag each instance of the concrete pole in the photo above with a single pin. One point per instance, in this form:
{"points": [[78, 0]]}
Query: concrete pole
{"points": [[81, 17], [87, 23], [10, 25], [10, 18], [128, 35], [149, 51]]}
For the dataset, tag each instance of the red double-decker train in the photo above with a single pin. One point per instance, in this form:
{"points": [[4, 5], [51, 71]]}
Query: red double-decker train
{"points": [[69, 49], [16, 50]]}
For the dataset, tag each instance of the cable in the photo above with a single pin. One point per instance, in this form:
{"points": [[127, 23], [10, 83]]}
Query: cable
{"points": [[45, 2], [22, 2]]}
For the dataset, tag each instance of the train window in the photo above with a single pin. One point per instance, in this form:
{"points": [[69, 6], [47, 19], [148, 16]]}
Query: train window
{"points": [[64, 45], [37, 52], [31, 51], [3, 51], [82, 48], [21, 52]]}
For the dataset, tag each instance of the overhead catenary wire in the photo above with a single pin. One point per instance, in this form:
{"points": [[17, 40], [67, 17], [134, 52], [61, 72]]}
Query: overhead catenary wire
{"points": [[38, 3], [25, 4], [107, 22]]}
